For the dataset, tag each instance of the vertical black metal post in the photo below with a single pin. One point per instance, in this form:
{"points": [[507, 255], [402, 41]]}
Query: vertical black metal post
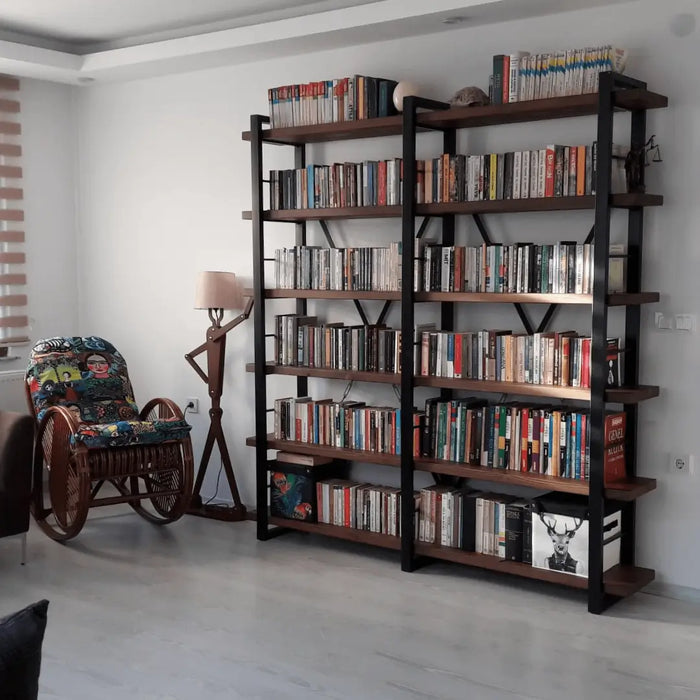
{"points": [[300, 240], [596, 499], [635, 235], [408, 220], [256, 159]]}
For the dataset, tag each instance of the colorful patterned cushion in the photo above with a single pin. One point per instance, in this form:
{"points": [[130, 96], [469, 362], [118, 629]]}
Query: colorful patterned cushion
{"points": [[86, 375], [130, 432], [89, 377]]}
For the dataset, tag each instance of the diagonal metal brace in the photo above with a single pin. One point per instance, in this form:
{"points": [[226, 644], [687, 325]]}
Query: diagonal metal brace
{"points": [[518, 307]]}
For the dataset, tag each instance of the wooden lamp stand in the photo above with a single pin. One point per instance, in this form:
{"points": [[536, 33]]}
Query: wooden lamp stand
{"points": [[215, 347]]}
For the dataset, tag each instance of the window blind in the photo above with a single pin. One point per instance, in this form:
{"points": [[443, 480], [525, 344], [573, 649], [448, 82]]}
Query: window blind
{"points": [[14, 322]]}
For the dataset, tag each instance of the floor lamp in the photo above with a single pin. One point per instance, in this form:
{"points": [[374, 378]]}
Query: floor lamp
{"points": [[217, 291]]}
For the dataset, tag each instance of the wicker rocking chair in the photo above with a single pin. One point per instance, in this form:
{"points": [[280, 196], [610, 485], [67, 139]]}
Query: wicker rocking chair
{"points": [[91, 433]]}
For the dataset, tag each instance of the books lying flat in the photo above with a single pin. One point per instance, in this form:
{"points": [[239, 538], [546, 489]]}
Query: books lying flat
{"points": [[304, 460]]}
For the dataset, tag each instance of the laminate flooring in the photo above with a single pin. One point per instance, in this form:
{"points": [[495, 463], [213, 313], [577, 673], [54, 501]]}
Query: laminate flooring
{"points": [[200, 609]]}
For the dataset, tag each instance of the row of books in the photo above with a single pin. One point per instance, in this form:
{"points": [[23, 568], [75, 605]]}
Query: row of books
{"points": [[476, 521], [553, 171], [522, 76], [518, 437], [302, 341], [344, 424], [560, 268], [361, 506], [367, 269], [328, 101], [549, 359], [368, 184]]}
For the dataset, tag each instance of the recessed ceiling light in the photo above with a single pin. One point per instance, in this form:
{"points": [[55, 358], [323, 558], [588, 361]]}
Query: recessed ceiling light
{"points": [[453, 20]]}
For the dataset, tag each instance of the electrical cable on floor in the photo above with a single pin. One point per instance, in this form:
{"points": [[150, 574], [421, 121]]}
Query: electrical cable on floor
{"points": [[216, 490]]}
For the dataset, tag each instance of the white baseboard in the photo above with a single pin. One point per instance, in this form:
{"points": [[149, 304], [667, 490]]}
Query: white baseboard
{"points": [[670, 590]]}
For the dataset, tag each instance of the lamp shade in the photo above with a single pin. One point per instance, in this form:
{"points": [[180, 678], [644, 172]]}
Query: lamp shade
{"points": [[218, 290]]}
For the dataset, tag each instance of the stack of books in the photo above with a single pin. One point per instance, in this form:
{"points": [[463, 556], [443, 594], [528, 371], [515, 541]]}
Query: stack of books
{"points": [[518, 437], [552, 171], [560, 268], [520, 76], [339, 269], [371, 183], [328, 101], [301, 341]]}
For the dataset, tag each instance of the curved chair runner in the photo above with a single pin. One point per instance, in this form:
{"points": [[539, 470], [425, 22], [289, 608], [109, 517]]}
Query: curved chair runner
{"points": [[91, 433]]}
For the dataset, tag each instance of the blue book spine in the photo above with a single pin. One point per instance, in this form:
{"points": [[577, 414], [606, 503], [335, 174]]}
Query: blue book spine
{"points": [[578, 446], [398, 431], [310, 186]]}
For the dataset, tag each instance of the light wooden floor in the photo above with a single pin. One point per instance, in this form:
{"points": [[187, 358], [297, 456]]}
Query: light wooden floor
{"points": [[201, 610]]}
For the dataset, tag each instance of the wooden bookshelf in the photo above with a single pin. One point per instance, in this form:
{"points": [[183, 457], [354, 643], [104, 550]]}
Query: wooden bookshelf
{"points": [[614, 299], [628, 490], [497, 206], [617, 93], [463, 117]]}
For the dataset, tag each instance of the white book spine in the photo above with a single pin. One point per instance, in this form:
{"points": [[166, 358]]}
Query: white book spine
{"points": [[517, 174]]}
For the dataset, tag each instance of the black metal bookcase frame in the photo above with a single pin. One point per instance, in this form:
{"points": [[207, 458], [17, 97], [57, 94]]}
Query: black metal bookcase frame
{"points": [[616, 92]]}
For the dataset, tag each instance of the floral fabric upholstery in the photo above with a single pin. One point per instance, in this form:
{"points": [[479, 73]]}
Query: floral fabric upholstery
{"points": [[89, 377]]}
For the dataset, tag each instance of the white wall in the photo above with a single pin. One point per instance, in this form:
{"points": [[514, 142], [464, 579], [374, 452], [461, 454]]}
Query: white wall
{"points": [[48, 162], [164, 177]]}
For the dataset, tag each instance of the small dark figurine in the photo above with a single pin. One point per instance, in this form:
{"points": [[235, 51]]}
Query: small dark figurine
{"points": [[635, 162], [469, 97]]}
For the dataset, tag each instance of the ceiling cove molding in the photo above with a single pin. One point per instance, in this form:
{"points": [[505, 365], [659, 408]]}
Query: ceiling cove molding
{"points": [[385, 19]]}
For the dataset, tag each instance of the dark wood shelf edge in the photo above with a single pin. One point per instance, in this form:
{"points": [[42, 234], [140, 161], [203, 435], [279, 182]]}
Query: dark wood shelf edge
{"points": [[617, 395], [461, 117], [622, 491], [342, 533], [620, 580], [614, 299], [500, 206]]}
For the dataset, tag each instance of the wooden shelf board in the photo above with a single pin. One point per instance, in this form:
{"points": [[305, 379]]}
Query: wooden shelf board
{"points": [[631, 394], [622, 491], [521, 389], [328, 451], [337, 131], [464, 117], [341, 533], [537, 110], [615, 299], [294, 215], [499, 206], [322, 373], [630, 489], [621, 581]]}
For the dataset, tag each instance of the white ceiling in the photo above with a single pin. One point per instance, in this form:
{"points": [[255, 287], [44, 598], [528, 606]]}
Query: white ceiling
{"points": [[81, 41], [102, 24]]}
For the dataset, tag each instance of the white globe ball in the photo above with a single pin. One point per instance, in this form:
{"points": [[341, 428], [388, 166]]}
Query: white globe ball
{"points": [[404, 89]]}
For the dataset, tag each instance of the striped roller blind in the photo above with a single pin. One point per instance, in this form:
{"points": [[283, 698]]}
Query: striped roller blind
{"points": [[13, 298]]}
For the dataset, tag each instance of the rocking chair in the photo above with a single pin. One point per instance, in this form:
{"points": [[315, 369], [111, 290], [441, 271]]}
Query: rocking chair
{"points": [[91, 433]]}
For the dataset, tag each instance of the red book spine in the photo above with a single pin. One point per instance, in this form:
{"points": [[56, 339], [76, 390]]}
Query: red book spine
{"points": [[506, 78], [382, 182], [458, 355], [549, 172], [586, 362], [524, 415]]}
